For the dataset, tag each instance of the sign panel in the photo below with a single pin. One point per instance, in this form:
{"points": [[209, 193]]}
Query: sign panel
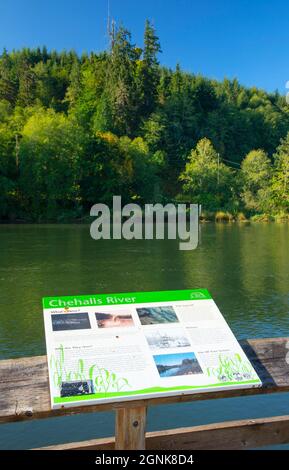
{"points": [[116, 347]]}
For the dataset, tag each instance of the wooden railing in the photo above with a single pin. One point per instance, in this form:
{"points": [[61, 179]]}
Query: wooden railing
{"points": [[24, 395]]}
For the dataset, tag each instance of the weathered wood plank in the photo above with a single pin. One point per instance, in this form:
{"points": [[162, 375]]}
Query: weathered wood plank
{"points": [[130, 428], [24, 390], [244, 434], [107, 443]]}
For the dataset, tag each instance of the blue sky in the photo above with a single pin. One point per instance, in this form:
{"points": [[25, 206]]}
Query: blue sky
{"points": [[173, 359], [218, 38]]}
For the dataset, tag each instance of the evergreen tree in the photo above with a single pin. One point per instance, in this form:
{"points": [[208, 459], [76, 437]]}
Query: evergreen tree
{"points": [[149, 71], [121, 83], [74, 88], [8, 79], [26, 77]]}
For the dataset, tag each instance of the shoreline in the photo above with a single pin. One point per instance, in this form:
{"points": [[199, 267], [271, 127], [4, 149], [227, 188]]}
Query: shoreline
{"points": [[214, 219]]}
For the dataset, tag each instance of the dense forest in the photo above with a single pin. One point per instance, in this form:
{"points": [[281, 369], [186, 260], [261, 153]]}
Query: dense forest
{"points": [[76, 130]]}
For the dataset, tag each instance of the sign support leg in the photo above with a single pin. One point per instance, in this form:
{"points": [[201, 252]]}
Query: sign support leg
{"points": [[130, 428]]}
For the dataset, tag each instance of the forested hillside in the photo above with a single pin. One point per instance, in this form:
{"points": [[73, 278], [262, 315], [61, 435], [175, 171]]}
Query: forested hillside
{"points": [[76, 130]]}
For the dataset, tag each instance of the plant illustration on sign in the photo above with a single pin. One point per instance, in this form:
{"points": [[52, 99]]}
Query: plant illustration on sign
{"points": [[232, 368], [103, 380]]}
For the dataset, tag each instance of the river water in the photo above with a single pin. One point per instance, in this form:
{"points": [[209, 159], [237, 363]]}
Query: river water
{"points": [[244, 266]]}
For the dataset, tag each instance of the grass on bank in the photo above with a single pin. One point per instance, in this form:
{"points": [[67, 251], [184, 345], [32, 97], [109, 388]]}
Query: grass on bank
{"points": [[226, 216]]}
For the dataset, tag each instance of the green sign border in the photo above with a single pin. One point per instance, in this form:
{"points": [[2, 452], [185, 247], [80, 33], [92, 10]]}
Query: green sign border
{"points": [[148, 391], [95, 300]]}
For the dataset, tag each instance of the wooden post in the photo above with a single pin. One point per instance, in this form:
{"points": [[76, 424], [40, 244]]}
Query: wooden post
{"points": [[130, 428]]}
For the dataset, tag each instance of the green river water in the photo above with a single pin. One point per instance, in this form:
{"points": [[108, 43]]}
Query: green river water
{"points": [[245, 267]]}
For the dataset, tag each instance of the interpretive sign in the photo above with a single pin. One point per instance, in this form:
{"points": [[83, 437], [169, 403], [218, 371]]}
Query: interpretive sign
{"points": [[113, 347]]}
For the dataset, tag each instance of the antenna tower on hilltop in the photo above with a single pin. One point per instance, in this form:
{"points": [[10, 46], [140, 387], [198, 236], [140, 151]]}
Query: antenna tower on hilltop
{"points": [[111, 27]]}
